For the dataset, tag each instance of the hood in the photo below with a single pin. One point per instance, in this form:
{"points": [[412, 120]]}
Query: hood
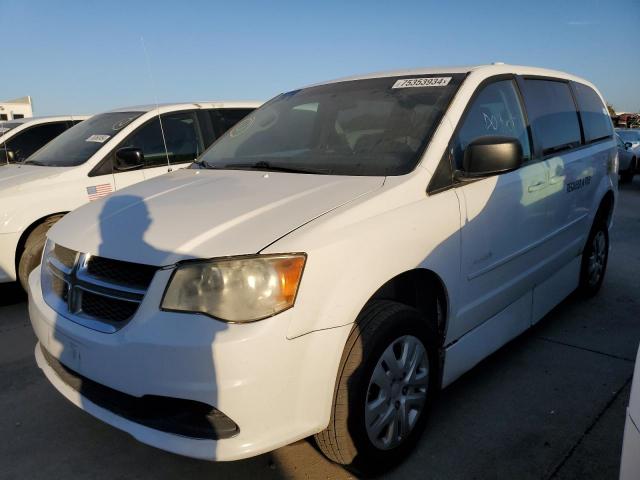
{"points": [[20, 176], [204, 213]]}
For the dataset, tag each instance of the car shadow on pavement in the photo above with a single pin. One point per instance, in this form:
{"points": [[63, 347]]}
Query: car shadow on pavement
{"points": [[11, 294]]}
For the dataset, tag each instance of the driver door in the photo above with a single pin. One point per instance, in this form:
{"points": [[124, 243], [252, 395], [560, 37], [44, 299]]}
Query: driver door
{"points": [[504, 217]]}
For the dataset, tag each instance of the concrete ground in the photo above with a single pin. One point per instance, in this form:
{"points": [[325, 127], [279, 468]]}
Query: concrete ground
{"points": [[550, 405]]}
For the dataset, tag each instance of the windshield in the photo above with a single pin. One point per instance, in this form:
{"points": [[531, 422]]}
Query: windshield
{"points": [[372, 127], [6, 126], [80, 142], [629, 135]]}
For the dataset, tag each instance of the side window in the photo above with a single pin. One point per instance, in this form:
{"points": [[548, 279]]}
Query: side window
{"points": [[553, 115], [495, 111], [180, 132], [595, 116], [225, 118], [3, 117], [34, 138]]}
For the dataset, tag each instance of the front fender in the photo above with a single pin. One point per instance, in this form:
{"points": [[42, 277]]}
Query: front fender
{"points": [[353, 252]]}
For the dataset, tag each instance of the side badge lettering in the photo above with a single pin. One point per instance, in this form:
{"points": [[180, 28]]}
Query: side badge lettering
{"points": [[571, 186]]}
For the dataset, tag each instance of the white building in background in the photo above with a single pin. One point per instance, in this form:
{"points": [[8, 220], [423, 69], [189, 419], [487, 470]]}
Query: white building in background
{"points": [[18, 108]]}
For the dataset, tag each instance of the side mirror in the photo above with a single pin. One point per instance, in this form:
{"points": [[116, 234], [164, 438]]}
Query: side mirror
{"points": [[7, 155], [129, 158], [491, 155], [628, 145]]}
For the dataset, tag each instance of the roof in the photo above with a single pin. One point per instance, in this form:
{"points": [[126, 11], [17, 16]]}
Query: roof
{"points": [[488, 70], [45, 119], [22, 100], [178, 106]]}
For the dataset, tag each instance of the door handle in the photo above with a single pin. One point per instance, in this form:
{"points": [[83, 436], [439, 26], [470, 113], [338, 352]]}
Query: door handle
{"points": [[534, 187]]}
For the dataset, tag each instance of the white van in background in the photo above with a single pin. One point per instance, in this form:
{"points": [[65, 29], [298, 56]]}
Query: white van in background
{"points": [[331, 262], [103, 154], [21, 137]]}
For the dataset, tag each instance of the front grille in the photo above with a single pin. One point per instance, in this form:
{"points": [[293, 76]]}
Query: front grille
{"points": [[97, 292], [64, 255], [59, 288], [125, 273], [109, 309]]}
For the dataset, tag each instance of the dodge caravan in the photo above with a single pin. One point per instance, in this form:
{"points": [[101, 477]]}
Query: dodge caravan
{"points": [[96, 157], [331, 262]]}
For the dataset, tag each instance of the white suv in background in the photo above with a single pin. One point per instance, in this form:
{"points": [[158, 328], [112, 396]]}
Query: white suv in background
{"points": [[331, 262], [21, 137], [108, 152]]}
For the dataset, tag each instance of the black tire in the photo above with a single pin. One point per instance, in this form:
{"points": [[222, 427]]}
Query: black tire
{"points": [[589, 286], [32, 253], [626, 176], [345, 440]]}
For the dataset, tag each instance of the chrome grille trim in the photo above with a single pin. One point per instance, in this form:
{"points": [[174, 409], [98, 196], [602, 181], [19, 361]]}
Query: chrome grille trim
{"points": [[112, 304]]}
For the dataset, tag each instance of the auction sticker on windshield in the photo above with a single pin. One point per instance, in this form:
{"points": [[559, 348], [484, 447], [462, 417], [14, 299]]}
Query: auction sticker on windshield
{"points": [[422, 82], [98, 138]]}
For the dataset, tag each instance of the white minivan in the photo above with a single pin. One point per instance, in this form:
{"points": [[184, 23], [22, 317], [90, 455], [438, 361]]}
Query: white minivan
{"points": [[109, 151], [331, 262]]}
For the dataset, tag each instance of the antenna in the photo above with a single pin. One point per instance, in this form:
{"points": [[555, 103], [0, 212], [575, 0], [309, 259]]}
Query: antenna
{"points": [[155, 96]]}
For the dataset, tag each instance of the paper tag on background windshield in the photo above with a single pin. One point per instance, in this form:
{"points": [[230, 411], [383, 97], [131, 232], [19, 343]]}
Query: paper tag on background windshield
{"points": [[98, 138], [422, 82]]}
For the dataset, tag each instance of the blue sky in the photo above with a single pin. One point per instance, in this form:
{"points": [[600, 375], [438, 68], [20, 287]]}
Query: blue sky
{"points": [[87, 56]]}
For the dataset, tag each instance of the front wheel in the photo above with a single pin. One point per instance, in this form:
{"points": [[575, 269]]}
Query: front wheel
{"points": [[594, 259], [387, 379]]}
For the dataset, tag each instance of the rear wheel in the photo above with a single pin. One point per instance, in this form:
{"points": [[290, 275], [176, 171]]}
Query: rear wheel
{"points": [[594, 258], [387, 379], [32, 253]]}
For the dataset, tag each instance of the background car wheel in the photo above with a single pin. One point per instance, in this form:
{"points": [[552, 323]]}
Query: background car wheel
{"points": [[387, 379], [626, 177], [32, 253], [594, 259]]}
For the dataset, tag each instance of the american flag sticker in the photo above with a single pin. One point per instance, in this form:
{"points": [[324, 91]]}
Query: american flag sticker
{"points": [[96, 192]]}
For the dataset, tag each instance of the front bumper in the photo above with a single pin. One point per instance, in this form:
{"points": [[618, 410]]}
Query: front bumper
{"points": [[276, 390], [8, 244]]}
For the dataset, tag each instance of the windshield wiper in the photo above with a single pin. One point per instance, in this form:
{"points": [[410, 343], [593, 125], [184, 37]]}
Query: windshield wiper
{"points": [[262, 165]]}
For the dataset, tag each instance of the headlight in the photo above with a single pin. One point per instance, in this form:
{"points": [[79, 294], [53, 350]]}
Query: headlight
{"points": [[236, 289]]}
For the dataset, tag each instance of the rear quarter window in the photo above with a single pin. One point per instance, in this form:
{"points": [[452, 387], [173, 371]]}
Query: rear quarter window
{"points": [[552, 115], [595, 116]]}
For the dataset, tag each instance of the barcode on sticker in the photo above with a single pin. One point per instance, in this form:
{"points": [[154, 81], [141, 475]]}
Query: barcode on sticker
{"points": [[98, 138], [422, 82]]}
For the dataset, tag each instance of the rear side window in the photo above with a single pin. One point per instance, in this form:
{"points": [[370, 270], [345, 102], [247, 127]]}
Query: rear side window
{"points": [[595, 116], [496, 111], [552, 115]]}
